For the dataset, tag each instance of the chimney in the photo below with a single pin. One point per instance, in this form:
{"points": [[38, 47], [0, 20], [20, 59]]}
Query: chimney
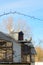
{"points": [[20, 35], [17, 35]]}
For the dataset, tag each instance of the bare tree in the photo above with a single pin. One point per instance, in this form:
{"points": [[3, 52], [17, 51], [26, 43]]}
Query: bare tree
{"points": [[8, 24], [20, 25], [24, 26]]}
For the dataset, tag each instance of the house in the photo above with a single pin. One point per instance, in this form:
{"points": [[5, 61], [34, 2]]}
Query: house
{"points": [[14, 49]]}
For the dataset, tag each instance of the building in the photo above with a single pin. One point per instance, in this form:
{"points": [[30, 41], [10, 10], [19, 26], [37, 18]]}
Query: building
{"points": [[14, 49]]}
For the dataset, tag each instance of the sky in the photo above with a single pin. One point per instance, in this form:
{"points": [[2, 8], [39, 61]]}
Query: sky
{"points": [[29, 7]]}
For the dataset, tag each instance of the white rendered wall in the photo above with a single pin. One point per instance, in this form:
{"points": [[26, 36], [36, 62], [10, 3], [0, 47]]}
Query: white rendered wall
{"points": [[17, 52], [15, 36]]}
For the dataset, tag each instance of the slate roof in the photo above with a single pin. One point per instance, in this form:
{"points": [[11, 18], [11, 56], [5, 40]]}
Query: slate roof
{"points": [[27, 45], [4, 36]]}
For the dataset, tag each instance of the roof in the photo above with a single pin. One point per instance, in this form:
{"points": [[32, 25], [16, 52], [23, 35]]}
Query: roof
{"points": [[28, 44], [29, 50], [4, 36], [33, 51]]}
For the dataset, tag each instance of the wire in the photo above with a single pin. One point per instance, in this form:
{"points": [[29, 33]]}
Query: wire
{"points": [[28, 16], [19, 13]]}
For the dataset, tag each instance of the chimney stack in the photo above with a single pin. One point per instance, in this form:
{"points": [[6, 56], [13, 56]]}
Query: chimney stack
{"points": [[20, 35]]}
